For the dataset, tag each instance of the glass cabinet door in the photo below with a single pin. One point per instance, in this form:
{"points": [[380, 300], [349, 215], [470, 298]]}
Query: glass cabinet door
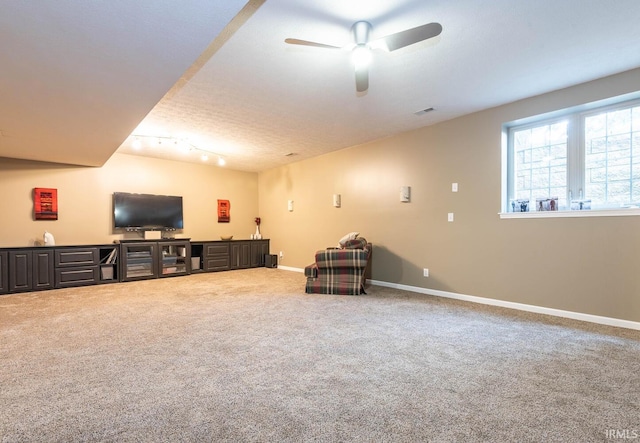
{"points": [[174, 258], [138, 260]]}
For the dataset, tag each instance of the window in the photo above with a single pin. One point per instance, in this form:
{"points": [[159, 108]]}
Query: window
{"points": [[612, 157], [575, 161]]}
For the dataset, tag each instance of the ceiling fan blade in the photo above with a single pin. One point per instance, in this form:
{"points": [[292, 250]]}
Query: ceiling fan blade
{"points": [[295, 41], [362, 79], [411, 36]]}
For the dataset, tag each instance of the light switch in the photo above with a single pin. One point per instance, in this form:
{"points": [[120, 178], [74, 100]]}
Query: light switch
{"points": [[450, 216], [454, 187]]}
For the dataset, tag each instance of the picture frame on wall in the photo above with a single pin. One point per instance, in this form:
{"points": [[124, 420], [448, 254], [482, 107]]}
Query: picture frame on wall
{"points": [[45, 204], [224, 211]]}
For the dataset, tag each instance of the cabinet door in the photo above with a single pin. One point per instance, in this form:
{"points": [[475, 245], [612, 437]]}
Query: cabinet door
{"points": [[235, 256], [245, 256], [139, 261], [259, 249], [43, 273], [240, 255], [174, 258], [20, 271], [4, 269]]}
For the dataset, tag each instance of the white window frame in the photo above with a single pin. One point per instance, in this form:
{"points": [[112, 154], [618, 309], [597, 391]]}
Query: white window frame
{"points": [[575, 117]]}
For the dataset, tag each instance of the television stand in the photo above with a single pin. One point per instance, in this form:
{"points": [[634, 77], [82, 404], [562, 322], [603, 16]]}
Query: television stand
{"points": [[155, 258]]}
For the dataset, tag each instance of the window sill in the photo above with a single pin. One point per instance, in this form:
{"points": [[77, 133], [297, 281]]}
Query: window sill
{"points": [[564, 214]]}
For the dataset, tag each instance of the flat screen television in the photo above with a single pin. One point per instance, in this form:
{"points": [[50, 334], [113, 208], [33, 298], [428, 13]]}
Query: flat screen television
{"points": [[147, 211]]}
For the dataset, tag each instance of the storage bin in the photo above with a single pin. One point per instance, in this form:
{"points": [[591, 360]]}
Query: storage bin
{"points": [[106, 272]]}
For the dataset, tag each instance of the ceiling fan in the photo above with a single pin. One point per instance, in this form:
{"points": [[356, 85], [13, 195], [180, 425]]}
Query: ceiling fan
{"points": [[362, 46]]}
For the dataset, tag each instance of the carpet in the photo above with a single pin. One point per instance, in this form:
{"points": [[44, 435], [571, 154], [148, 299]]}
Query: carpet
{"points": [[247, 356]]}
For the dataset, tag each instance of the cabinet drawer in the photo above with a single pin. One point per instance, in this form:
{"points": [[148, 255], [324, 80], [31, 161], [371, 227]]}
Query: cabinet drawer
{"points": [[76, 257], [216, 249], [216, 263], [86, 275]]}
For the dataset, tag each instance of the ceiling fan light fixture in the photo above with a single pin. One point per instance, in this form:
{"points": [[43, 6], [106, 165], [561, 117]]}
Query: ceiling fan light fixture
{"points": [[361, 57]]}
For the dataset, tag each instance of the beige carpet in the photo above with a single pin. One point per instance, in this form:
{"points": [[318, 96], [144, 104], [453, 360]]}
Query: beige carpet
{"points": [[247, 356]]}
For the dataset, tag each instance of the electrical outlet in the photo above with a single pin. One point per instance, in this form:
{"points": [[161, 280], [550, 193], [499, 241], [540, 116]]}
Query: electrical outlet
{"points": [[425, 272], [450, 216], [454, 187], [281, 254]]}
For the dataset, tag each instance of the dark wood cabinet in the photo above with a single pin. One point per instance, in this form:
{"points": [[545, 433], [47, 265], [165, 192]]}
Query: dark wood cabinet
{"points": [[4, 272], [139, 260], [240, 255], [225, 255], [80, 265], [216, 256], [38, 268], [259, 248], [152, 259], [20, 270], [174, 257], [30, 270], [76, 267], [43, 270]]}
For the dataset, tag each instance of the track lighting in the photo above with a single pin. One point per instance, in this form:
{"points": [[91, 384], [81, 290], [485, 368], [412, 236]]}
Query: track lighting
{"points": [[172, 143]]}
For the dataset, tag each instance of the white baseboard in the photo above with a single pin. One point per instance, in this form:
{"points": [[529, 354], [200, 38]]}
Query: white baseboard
{"points": [[289, 268], [512, 305], [618, 323]]}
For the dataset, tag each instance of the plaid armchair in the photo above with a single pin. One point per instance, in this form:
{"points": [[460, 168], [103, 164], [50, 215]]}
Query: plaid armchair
{"points": [[340, 271]]}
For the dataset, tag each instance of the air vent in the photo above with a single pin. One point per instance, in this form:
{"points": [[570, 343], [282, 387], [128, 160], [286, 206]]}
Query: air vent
{"points": [[424, 111]]}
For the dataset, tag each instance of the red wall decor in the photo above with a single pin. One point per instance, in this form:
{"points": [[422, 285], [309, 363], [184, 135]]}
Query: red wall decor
{"points": [[224, 211], [45, 203]]}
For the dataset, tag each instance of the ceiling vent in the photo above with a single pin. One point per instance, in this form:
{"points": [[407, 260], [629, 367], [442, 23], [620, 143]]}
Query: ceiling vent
{"points": [[424, 111]]}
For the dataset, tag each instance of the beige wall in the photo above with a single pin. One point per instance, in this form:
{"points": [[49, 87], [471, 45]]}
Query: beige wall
{"points": [[587, 265], [85, 198]]}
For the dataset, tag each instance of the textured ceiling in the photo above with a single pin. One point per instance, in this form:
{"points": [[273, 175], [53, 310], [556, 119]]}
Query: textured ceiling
{"points": [[76, 77], [253, 99]]}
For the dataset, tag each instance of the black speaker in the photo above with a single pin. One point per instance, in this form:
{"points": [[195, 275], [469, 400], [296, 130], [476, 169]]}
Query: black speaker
{"points": [[270, 261]]}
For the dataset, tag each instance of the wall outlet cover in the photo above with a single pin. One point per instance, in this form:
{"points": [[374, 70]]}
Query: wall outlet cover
{"points": [[405, 194]]}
